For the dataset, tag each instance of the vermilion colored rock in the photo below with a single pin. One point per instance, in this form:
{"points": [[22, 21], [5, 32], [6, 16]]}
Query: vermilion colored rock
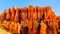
{"points": [[30, 20]]}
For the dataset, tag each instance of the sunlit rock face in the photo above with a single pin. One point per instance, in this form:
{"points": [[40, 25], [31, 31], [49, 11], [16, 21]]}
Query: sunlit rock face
{"points": [[30, 20]]}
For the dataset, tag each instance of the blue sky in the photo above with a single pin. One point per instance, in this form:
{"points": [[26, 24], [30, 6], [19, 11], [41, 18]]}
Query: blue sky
{"points": [[55, 4]]}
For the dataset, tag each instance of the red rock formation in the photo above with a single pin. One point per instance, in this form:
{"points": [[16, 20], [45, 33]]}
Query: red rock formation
{"points": [[16, 17], [32, 20], [8, 15]]}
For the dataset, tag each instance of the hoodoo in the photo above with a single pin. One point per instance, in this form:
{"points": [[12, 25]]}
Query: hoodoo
{"points": [[30, 20]]}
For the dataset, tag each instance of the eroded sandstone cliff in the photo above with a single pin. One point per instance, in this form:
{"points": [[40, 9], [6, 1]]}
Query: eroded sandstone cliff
{"points": [[30, 20]]}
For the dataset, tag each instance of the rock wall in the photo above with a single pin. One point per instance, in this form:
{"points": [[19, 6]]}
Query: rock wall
{"points": [[32, 20]]}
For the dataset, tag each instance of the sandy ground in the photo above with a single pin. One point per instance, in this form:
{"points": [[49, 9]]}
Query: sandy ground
{"points": [[2, 31]]}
